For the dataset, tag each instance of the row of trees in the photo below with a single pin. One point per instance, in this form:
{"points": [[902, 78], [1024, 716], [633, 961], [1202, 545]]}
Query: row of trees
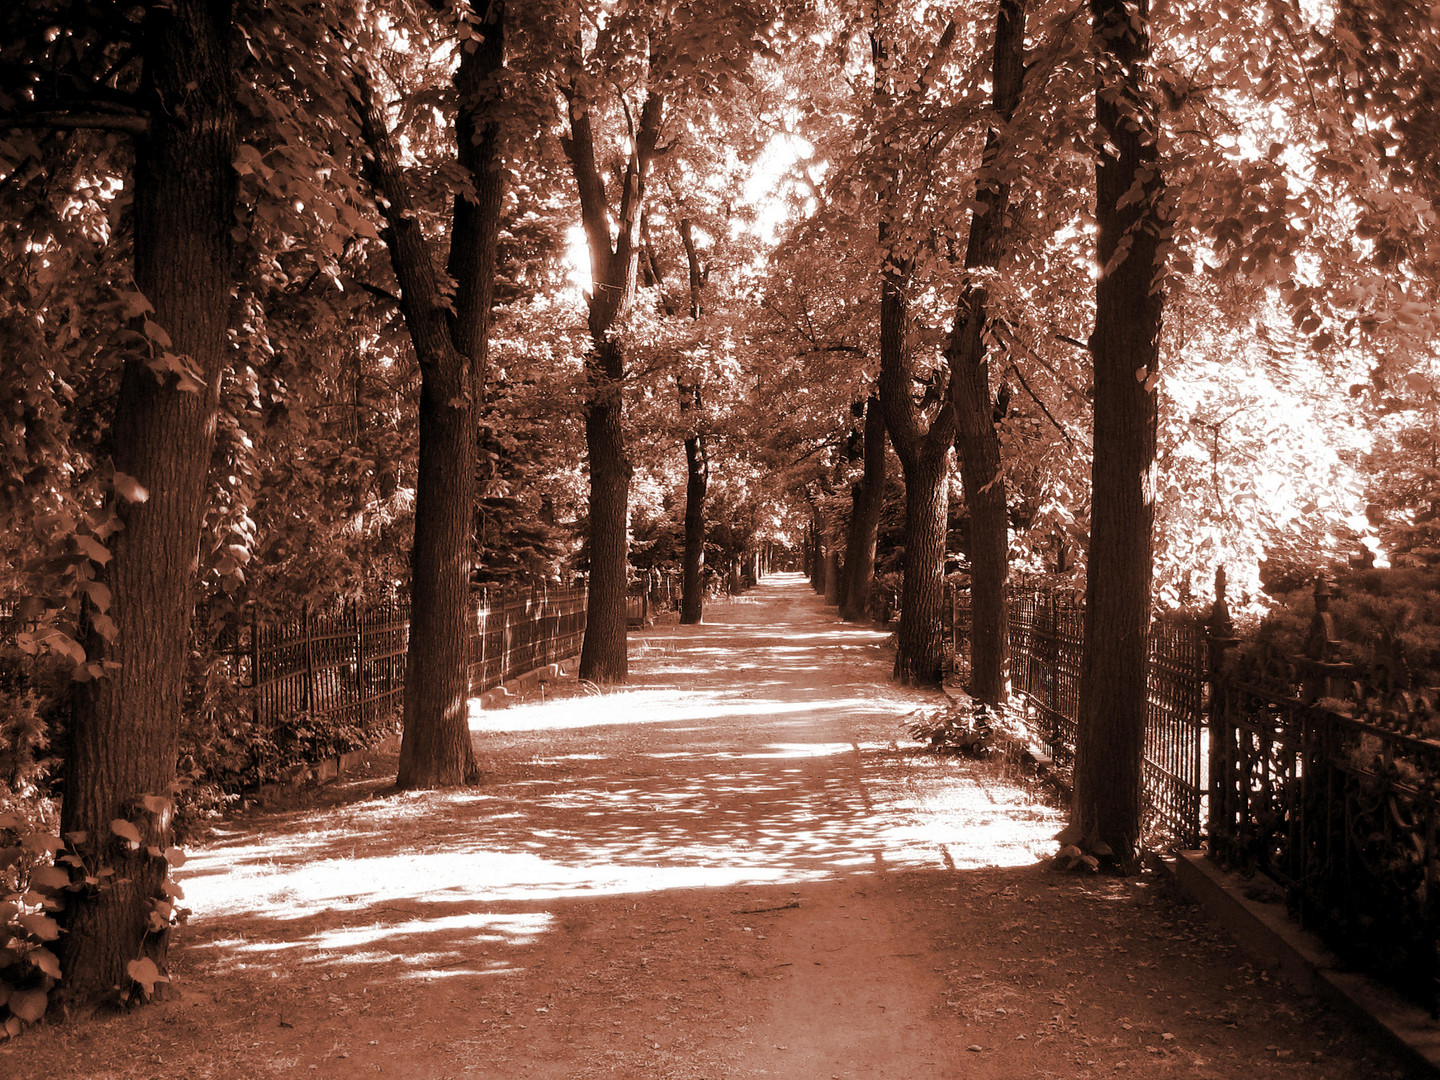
{"points": [[225, 221], [1038, 204], [288, 288]]}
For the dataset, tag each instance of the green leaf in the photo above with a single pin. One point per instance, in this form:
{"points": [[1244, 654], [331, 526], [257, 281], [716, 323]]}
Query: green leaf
{"points": [[41, 841], [93, 548], [126, 831], [29, 1005], [104, 626], [46, 961], [40, 927], [49, 877], [98, 592], [156, 804], [156, 333], [144, 972], [129, 488]]}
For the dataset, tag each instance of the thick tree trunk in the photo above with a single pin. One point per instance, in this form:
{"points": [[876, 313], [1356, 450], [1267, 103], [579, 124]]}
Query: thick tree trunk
{"points": [[923, 452], [977, 446], [697, 478], [1125, 346], [920, 653], [603, 656], [869, 502], [451, 347], [125, 729], [436, 749], [614, 268]]}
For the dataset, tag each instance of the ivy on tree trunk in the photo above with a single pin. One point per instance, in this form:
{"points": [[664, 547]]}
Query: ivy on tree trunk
{"points": [[1132, 232], [125, 728]]}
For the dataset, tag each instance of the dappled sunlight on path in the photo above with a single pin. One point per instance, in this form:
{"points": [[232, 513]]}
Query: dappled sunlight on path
{"points": [[732, 758], [734, 868]]}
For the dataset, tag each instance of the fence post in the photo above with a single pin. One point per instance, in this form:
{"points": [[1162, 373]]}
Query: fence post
{"points": [[307, 632], [256, 710], [1219, 637], [359, 619], [1053, 690]]}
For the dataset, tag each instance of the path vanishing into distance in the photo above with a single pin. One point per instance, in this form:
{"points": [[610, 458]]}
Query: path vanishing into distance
{"points": [[737, 866]]}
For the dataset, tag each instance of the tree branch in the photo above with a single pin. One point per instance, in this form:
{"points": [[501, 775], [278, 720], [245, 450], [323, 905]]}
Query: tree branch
{"points": [[1036, 398], [128, 123]]}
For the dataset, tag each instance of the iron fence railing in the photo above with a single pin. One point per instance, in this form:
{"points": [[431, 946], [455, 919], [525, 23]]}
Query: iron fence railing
{"points": [[347, 666], [653, 592], [1336, 796], [1047, 641]]}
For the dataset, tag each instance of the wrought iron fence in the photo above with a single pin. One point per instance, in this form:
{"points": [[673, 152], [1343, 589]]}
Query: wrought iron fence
{"points": [[653, 592], [347, 666], [524, 634], [1047, 642], [1326, 777]]}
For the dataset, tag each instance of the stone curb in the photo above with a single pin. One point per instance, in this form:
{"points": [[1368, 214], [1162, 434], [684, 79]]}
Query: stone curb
{"points": [[1266, 932]]}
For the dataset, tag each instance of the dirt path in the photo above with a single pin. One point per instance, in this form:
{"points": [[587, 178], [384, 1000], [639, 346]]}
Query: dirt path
{"points": [[735, 868]]}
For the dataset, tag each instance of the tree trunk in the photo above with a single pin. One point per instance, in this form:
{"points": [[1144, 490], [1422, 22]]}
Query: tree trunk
{"points": [[603, 656], [832, 565], [922, 452], [1125, 346], [697, 478], [451, 348], [817, 554], [436, 749], [125, 729], [869, 502], [920, 652], [697, 462], [614, 269], [921, 446], [977, 445]]}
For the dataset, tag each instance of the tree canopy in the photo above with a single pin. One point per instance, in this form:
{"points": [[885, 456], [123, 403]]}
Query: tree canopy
{"points": [[309, 304]]}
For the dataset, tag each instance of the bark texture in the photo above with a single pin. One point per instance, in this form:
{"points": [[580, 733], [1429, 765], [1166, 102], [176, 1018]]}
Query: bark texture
{"points": [[1131, 226], [921, 438], [977, 446], [867, 502], [832, 564], [923, 449], [697, 480], [450, 338], [614, 268], [125, 729], [697, 461]]}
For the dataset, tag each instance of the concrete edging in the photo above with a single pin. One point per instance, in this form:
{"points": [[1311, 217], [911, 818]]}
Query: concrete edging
{"points": [[1266, 932]]}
